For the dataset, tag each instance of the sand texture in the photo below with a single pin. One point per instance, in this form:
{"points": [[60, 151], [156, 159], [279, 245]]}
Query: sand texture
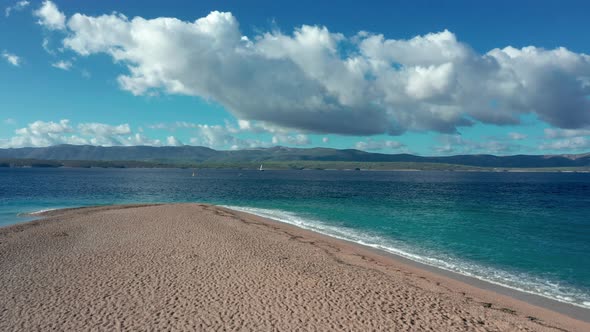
{"points": [[199, 267]]}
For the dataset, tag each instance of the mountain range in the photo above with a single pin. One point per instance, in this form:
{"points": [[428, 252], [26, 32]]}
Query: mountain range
{"points": [[199, 154]]}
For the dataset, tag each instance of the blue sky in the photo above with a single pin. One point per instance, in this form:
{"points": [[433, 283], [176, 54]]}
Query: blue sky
{"points": [[424, 77]]}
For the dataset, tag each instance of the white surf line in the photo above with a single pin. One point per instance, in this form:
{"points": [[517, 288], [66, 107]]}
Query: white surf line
{"points": [[41, 211]]}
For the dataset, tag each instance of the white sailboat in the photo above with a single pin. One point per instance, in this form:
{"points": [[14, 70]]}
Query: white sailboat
{"points": [[261, 168]]}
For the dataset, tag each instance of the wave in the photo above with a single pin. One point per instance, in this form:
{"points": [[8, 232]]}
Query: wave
{"points": [[37, 212], [514, 280]]}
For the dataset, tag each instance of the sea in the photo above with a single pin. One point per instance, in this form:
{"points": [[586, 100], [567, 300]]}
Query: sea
{"points": [[526, 231]]}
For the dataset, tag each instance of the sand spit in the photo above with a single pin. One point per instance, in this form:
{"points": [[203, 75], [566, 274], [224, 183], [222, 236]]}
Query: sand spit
{"points": [[200, 267]]}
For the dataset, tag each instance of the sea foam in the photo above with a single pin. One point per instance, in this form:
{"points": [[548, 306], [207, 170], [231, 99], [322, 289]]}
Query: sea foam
{"points": [[40, 211]]}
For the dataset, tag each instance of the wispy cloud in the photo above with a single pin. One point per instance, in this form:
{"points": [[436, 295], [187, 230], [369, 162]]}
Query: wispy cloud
{"points": [[10, 121], [456, 144], [517, 136], [566, 133], [85, 73], [62, 64], [375, 145], [12, 59], [297, 140], [46, 47], [18, 6]]}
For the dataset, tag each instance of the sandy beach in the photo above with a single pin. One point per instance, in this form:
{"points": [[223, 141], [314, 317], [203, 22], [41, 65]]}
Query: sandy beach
{"points": [[200, 267]]}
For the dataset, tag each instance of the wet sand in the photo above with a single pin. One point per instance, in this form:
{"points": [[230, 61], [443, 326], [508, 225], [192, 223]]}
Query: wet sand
{"points": [[201, 267]]}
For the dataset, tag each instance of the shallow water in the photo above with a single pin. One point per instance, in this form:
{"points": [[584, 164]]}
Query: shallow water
{"points": [[529, 231]]}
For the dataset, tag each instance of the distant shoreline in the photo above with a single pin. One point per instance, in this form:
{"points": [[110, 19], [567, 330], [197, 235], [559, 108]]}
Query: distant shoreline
{"points": [[286, 165], [208, 260], [277, 157]]}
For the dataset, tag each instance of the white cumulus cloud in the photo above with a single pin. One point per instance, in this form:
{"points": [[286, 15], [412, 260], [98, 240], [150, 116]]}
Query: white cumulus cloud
{"points": [[106, 135], [50, 17], [305, 81], [227, 135], [39, 128], [568, 144], [566, 139], [173, 141], [41, 133], [218, 137]]}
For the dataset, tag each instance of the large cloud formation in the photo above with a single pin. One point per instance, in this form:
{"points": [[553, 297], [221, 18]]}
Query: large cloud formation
{"points": [[318, 81]]}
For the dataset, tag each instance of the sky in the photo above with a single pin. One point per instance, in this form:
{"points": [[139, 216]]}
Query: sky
{"points": [[420, 77]]}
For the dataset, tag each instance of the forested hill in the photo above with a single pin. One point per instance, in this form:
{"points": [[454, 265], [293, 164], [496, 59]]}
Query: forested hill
{"points": [[198, 154]]}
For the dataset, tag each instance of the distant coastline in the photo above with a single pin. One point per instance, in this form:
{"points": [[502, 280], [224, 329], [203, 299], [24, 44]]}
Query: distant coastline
{"points": [[280, 165], [278, 157]]}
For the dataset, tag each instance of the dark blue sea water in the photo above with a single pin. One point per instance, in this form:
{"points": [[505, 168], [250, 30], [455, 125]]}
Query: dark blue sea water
{"points": [[529, 231]]}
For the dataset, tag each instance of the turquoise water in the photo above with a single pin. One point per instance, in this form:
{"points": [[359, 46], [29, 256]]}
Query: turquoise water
{"points": [[528, 231]]}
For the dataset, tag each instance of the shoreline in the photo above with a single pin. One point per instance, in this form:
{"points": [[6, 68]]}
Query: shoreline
{"points": [[476, 169], [572, 310], [462, 290], [569, 309]]}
